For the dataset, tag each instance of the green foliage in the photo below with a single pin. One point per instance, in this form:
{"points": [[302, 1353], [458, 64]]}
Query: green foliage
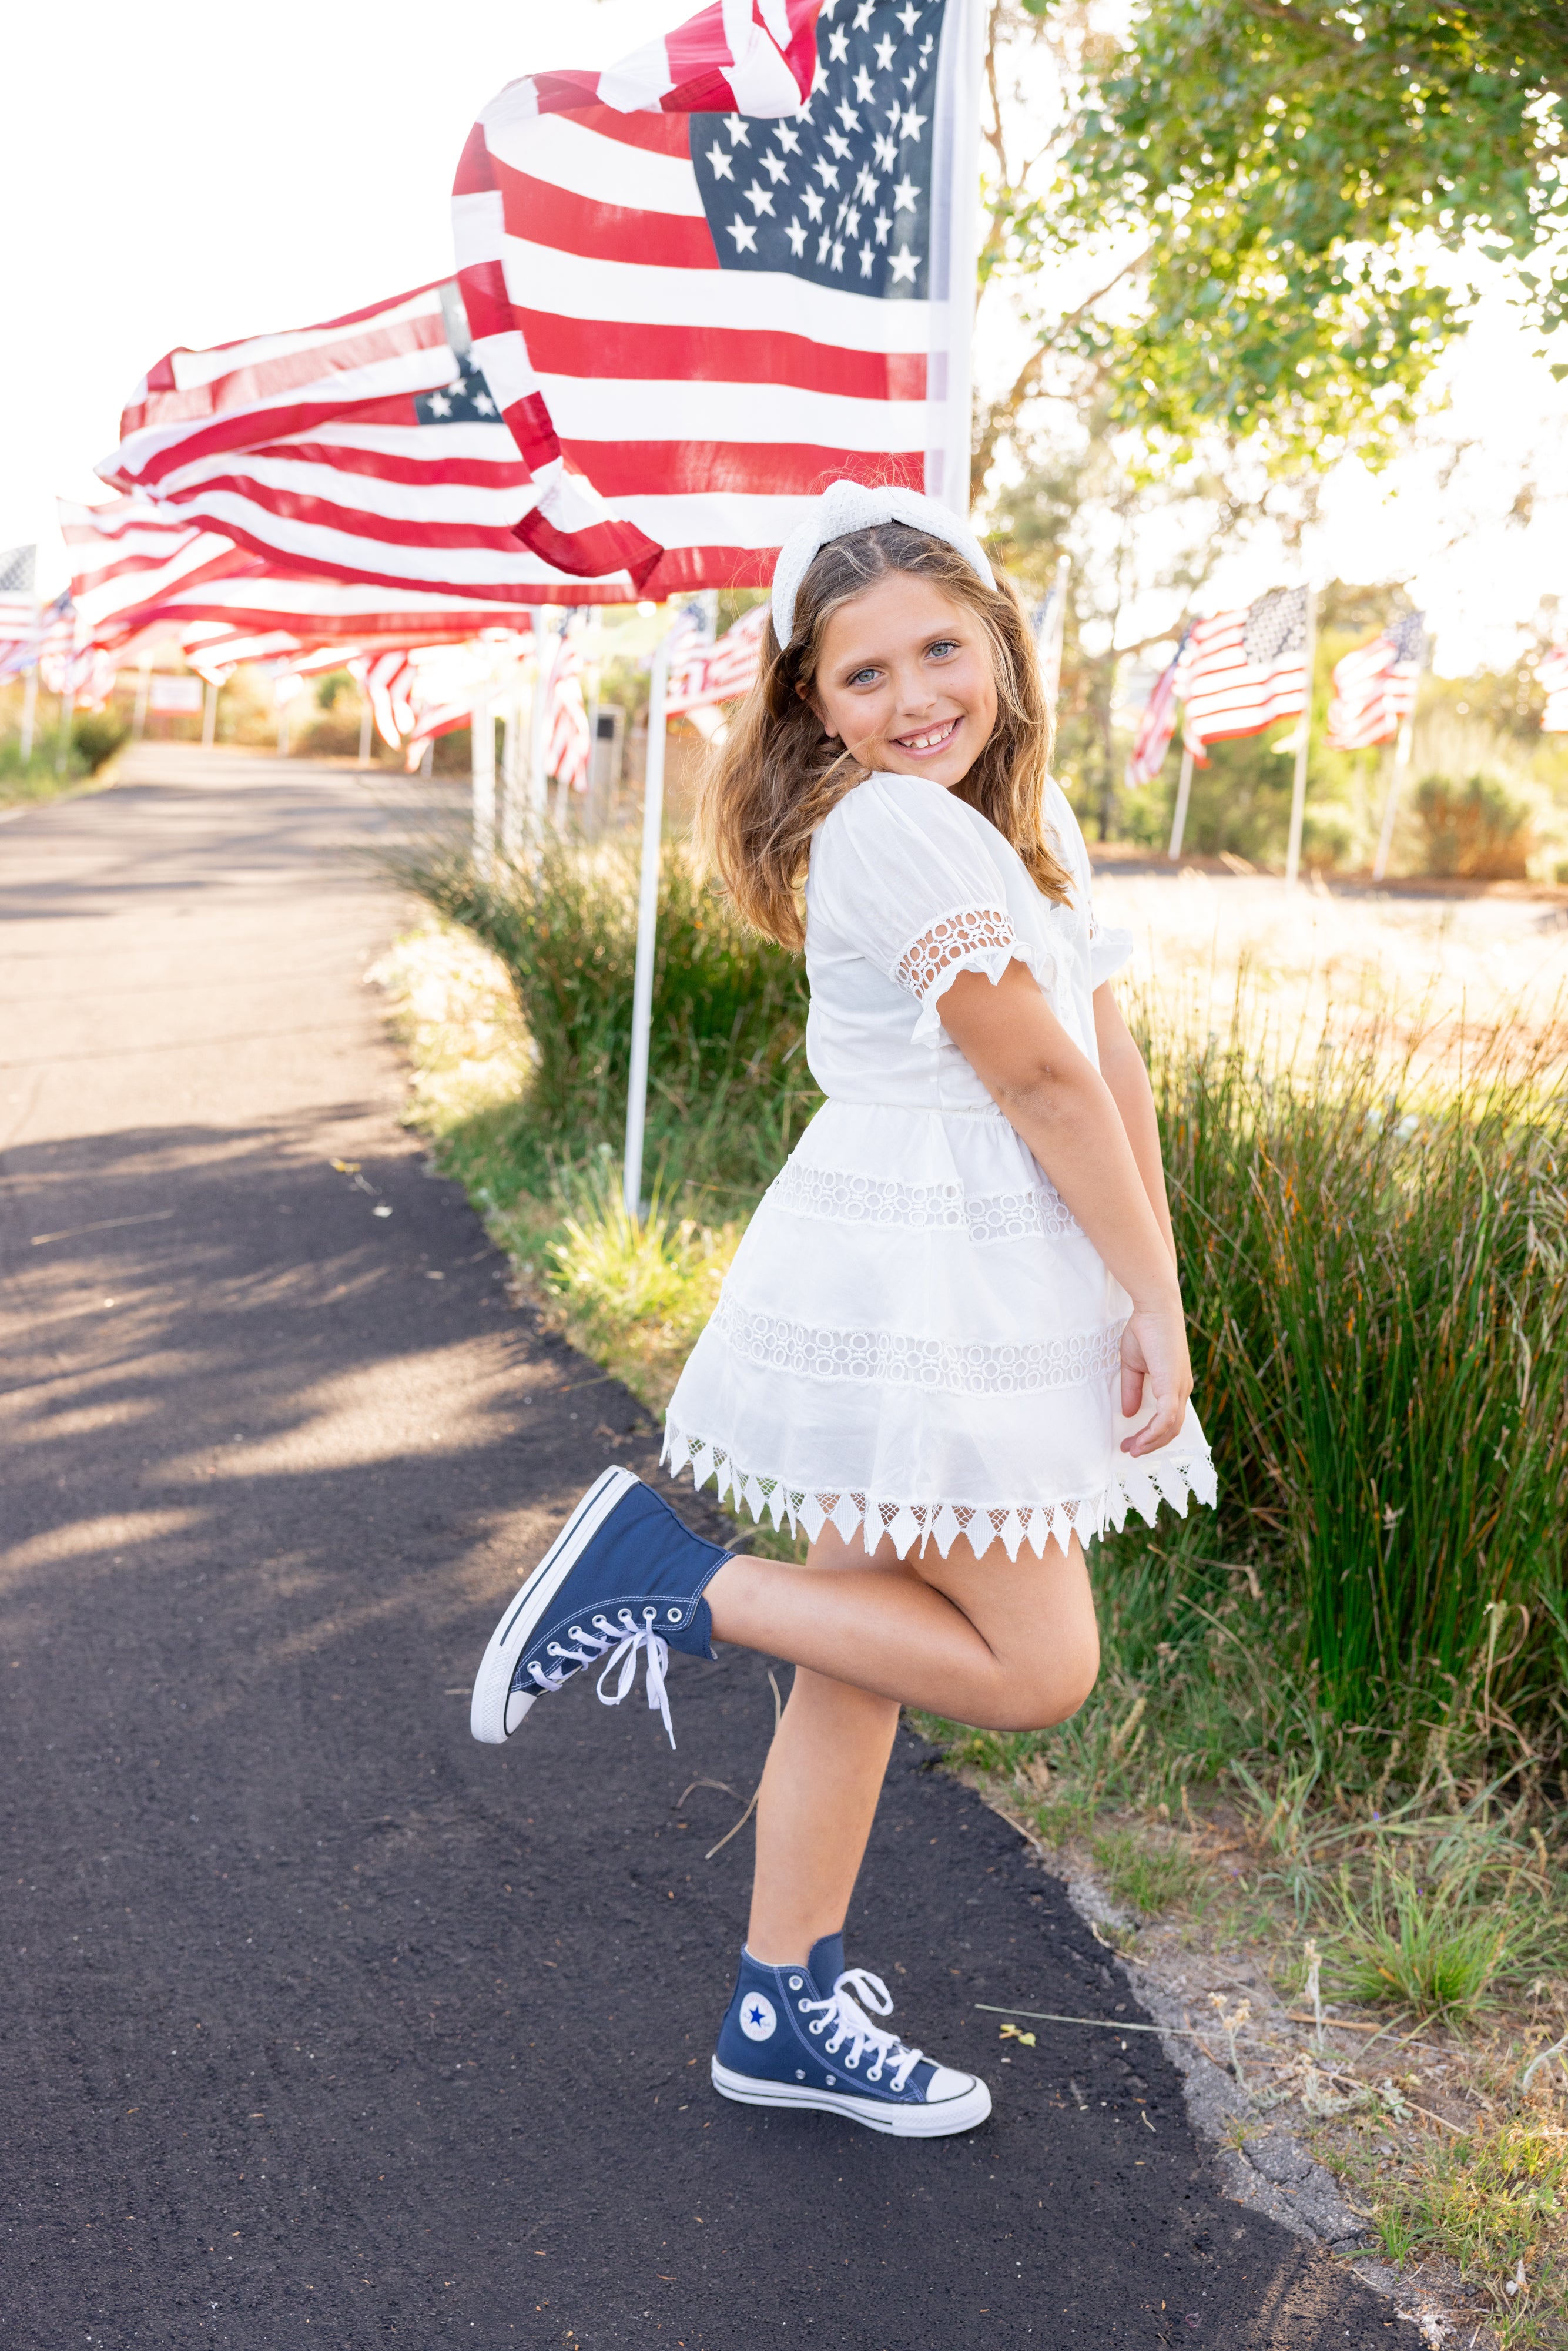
{"points": [[329, 688], [1476, 831], [1278, 169], [1152, 1877], [96, 736], [728, 1090], [1377, 1287], [1438, 1949], [1482, 2200]]}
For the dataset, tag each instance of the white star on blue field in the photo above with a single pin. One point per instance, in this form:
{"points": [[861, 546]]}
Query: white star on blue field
{"points": [[839, 192]]}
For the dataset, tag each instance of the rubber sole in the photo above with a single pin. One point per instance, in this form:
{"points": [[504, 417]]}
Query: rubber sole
{"points": [[492, 1684], [898, 2122]]}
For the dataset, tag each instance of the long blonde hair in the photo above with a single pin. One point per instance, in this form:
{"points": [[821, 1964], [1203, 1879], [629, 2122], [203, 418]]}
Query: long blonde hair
{"points": [[778, 773]]}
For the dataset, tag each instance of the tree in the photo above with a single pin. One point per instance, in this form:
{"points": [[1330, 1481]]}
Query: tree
{"points": [[1267, 183]]}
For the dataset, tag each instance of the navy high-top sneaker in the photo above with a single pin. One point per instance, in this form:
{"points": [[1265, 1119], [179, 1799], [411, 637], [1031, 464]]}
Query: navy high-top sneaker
{"points": [[800, 2037], [623, 1579]]}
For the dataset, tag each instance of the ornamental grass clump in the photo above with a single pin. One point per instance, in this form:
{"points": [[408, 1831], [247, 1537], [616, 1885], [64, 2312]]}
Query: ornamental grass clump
{"points": [[1377, 1280], [729, 1089]]}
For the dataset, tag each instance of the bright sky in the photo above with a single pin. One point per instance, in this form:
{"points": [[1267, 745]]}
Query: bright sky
{"points": [[185, 173], [182, 173]]}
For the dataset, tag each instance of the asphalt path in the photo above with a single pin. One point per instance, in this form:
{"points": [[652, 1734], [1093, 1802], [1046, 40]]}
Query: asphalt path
{"points": [[321, 2024]]}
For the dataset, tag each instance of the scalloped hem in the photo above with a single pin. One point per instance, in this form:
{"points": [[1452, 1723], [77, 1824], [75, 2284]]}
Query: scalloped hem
{"points": [[1175, 1480]]}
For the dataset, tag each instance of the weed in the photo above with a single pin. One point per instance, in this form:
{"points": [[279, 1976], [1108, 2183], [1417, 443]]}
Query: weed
{"points": [[1491, 2201], [1436, 1949], [1154, 1877]]}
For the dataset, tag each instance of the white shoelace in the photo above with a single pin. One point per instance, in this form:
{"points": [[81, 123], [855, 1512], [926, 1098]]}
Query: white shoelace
{"points": [[850, 2023], [626, 1640]]}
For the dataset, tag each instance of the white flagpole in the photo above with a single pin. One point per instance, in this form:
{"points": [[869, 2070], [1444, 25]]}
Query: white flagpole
{"points": [[482, 752], [1390, 806], [210, 716], [538, 730], [29, 710], [67, 712], [512, 775], [364, 760], [143, 680], [1184, 794], [1303, 741], [647, 931]]}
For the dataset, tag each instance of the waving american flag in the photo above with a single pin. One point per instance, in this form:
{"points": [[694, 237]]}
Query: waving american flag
{"points": [[735, 268], [1245, 669], [1374, 687], [366, 447]]}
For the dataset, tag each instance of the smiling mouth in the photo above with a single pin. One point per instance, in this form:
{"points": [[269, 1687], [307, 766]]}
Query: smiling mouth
{"points": [[932, 739]]}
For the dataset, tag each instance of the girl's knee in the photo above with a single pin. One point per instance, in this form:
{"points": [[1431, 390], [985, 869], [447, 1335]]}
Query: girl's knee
{"points": [[1051, 1694]]}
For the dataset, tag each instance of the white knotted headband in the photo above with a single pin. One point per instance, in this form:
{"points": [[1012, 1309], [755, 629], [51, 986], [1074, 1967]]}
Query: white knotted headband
{"points": [[846, 507]]}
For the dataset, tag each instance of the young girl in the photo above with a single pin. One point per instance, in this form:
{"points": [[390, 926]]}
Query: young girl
{"points": [[951, 1344]]}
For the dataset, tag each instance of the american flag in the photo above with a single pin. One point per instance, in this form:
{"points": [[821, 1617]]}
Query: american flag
{"points": [[1246, 669], [386, 679], [18, 606], [1551, 674], [1158, 722], [365, 448], [567, 748], [128, 555], [1374, 687], [730, 271], [50, 639], [720, 671], [139, 568]]}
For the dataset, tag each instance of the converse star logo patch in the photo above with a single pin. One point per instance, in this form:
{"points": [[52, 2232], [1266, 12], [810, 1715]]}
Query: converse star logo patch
{"points": [[756, 2017]]}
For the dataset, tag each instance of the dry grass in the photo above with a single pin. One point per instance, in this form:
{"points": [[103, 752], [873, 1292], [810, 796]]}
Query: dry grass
{"points": [[1408, 971]]}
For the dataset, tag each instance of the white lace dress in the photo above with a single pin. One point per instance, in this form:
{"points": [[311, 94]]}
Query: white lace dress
{"points": [[915, 1334]]}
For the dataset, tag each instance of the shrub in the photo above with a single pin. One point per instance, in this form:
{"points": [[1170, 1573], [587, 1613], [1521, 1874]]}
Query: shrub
{"points": [[728, 1091], [1476, 831], [96, 736]]}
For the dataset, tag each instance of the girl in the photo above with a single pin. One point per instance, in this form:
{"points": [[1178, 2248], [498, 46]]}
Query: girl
{"points": [[951, 1344]]}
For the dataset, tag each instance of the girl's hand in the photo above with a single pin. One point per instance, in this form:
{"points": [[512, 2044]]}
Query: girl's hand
{"points": [[1154, 1352]]}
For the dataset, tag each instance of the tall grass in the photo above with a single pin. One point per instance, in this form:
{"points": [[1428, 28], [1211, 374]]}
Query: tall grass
{"points": [[728, 1087], [1377, 1289]]}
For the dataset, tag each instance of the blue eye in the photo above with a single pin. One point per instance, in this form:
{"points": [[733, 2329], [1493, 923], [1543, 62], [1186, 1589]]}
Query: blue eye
{"points": [[943, 646]]}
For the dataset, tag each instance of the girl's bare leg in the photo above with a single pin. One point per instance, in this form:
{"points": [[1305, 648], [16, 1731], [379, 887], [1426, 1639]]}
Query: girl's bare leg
{"points": [[1010, 1644], [820, 1790], [985, 1641]]}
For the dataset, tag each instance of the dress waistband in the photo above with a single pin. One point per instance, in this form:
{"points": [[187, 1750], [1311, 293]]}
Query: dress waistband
{"points": [[928, 1109]]}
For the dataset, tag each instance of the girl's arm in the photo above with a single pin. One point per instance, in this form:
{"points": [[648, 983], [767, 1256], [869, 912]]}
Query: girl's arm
{"points": [[1068, 1115], [1122, 1067]]}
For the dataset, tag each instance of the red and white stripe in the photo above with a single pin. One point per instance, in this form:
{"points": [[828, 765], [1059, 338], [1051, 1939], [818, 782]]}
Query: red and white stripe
{"points": [[677, 416], [1374, 693], [1157, 724], [721, 672], [1551, 674], [129, 554], [306, 450], [1226, 695]]}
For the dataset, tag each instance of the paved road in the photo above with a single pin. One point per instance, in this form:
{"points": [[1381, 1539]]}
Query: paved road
{"points": [[321, 2025]]}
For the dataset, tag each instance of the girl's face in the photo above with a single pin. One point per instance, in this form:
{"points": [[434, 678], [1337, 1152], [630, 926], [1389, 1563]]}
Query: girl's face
{"points": [[904, 681]]}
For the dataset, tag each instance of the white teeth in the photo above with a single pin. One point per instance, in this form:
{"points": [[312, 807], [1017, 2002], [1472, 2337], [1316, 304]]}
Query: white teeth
{"points": [[930, 742]]}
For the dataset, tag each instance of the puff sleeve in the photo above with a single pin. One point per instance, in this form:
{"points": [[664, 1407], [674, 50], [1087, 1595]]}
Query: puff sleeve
{"points": [[905, 875]]}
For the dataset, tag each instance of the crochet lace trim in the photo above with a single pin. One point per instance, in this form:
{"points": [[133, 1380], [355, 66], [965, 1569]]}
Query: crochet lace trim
{"points": [[967, 931], [899, 1359], [1136, 1486], [834, 1196]]}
